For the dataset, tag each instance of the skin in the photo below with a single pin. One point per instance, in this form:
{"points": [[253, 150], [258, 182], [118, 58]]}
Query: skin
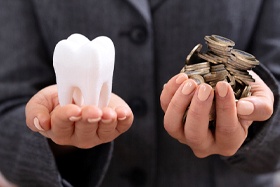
{"points": [[71, 125], [4, 182], [88, 126], [232, 118]]}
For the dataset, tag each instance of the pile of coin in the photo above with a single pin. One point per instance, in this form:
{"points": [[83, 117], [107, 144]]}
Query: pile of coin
{"points": [[221, 62]]}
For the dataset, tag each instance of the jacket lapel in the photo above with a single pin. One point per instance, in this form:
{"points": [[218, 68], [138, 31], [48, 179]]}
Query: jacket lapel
{"points": [[143, 7]]}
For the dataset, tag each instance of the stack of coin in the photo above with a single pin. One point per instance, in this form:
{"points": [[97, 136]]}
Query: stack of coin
{"points": [[219, 45], [221, 62]]}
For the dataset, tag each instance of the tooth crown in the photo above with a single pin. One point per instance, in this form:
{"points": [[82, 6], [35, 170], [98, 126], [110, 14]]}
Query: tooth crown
{"points": [[84, 70]]}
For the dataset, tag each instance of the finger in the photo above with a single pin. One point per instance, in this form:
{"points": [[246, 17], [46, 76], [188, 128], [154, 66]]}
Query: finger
{"points": [[38, 109], [62, 120], [170, 88], [259, 106], [229, 132], [254, 108], [85, 129], [125, 119], [37, 121], [37, 115], [91, 114], [116, 101], [124, 113], [107, 126], [66, 114], [174, 114], [197, 133]]}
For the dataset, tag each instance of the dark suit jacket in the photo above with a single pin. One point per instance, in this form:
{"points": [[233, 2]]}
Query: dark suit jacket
{"points": [[152, 40]]}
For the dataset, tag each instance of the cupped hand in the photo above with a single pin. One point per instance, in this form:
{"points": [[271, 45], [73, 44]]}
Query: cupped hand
{"points": [[82, 127], [232, 119]]}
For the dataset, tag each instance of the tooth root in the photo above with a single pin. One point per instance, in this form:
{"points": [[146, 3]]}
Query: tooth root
{"points": [[78, 97], [65, 95], [105, 94], [84, 70], [91, 95]]}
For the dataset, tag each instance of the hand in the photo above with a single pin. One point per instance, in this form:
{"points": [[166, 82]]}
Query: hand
{"points": [[232, 120], [82, 127], [4, 182]]}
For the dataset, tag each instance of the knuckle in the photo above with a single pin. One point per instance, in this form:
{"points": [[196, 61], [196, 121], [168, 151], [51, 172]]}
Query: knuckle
{"points": [[228, 152], [106, 137], [168, 126], [106, 132], [182, 141], [84, 145], [60, 141], [267, 112], [227, 129], [176, 106], [201, 154], [224, 106], [194, 140], [194, 113]]}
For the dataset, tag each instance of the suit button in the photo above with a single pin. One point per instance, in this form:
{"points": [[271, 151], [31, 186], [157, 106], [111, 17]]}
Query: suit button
{"points": [[138, 34], [138, 106]]}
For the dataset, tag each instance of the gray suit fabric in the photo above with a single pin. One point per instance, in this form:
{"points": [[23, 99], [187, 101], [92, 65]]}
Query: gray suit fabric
{"points": [[152, 40]]}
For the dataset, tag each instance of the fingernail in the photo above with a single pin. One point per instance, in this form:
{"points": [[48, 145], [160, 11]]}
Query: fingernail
{"points": [[188, 87], [94, 120], [222, 89], [181, 78], [37, 124], [245, 107], [75, 118], [106, 120], [204, 92], [121, 119]]}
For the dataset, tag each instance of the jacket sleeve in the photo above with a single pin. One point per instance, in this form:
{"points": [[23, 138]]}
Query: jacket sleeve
{"points": [[25, 157], [261, 152]]}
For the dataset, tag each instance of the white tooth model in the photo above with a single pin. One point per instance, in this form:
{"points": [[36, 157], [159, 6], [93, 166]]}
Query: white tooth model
{"points": [[84, 70]]}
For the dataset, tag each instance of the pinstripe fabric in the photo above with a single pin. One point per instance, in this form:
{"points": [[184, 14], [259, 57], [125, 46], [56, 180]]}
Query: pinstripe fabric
{"points": [[151, 45]]}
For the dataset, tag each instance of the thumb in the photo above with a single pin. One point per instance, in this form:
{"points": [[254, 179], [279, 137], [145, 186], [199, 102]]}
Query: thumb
{"points": [[39, 107], [37, 116], [259, 106], [254, 108]]}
